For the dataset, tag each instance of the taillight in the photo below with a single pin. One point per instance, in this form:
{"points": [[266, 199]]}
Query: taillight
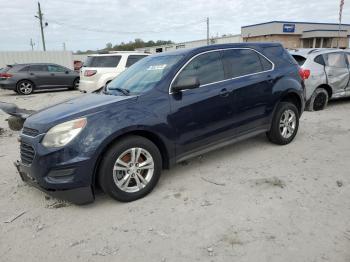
{"points": [[5, 75], [304, 73], [90, 72]]}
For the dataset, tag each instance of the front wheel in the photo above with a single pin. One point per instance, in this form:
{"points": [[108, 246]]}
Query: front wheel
{"points": [[130, 169], [285, 124]]}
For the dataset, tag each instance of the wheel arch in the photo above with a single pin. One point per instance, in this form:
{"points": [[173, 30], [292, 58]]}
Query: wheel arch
{"points": [[25, 79], [295, 99], [154, 138], [328, 89]]}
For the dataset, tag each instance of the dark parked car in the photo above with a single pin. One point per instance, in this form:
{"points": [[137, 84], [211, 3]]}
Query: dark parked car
{"points": [[25, 78], [162, 110]]}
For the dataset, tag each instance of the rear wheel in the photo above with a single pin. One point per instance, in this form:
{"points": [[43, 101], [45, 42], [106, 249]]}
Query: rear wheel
{"points": [[130, 169], [75, 84], [318, 100], [25, 87], [285, 124]]}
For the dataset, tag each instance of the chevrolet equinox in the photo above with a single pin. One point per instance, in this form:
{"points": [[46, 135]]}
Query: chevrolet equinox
{"points": [[162, 110]]}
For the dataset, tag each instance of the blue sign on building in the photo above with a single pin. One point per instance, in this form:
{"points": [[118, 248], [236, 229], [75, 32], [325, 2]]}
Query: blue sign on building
{"points": [[288, 28]]}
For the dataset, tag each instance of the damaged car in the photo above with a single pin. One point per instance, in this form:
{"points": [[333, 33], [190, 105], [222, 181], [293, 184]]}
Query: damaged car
{"points": [[164, 109], [327, 75]]}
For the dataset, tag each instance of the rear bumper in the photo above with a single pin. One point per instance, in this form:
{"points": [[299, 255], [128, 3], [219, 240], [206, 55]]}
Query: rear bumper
{"points": [[79, 196], [7, 84], [88, 86]]}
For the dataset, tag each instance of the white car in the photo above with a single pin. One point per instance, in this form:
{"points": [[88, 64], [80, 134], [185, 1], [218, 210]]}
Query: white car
{"points": [[327, 75], [100, 69]]}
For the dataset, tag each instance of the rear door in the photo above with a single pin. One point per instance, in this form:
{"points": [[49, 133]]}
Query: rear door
{"points": [[251, 79], [337, 71], [39, 75]]}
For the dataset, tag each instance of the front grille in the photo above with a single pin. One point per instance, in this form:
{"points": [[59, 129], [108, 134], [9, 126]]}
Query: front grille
{"points": [[27, 153], [30, 132]]}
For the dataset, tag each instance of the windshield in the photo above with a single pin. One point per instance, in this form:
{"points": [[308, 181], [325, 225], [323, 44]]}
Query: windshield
{"points": [[143, 75]]}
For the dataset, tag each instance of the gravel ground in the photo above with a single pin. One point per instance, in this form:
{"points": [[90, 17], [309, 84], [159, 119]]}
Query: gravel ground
{"points": [[253, 201]]}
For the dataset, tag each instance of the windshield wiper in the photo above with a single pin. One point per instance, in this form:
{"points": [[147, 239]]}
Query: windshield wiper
{"points": [[124, 91]]}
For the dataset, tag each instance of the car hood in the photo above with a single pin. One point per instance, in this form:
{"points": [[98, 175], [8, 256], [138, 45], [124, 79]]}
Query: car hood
{"points": [[75, 108]]}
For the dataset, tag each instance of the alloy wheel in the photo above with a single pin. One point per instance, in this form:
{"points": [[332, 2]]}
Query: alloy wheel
{"points": [[25, 88], [133, 170], [288, 123]]}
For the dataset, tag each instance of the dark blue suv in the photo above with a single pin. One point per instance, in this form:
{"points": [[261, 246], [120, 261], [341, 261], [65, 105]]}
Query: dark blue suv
{"points": [[164, 109]]}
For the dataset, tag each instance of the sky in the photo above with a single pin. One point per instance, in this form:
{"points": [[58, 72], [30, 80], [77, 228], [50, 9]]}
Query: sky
{"points": [[90, 24]]}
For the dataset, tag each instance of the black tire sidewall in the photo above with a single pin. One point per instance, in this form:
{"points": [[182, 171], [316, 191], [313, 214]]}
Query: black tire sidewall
{"points": [[318, 91], [24, 81], [275, 134], [74, 86], [106, 168]]}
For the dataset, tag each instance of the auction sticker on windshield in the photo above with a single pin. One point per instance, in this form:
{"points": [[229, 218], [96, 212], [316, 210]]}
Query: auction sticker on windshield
{"points": [[156, 67]]}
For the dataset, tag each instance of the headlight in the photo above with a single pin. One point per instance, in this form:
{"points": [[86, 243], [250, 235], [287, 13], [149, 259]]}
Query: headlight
{"points": [[62, 134]]}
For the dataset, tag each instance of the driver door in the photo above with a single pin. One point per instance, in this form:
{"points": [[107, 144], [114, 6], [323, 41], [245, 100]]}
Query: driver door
{"points": [[201, 116]]}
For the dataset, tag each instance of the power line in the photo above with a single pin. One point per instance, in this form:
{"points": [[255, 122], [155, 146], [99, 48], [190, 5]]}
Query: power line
{"points": [[78, 27]]}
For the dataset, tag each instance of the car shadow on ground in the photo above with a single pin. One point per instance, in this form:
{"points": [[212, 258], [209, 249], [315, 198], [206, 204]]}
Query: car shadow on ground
{"points": [[38, 92], [339, 102]]}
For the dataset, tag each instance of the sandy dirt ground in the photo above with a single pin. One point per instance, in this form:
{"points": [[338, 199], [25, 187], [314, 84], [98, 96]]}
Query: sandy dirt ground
{"points": [[252, 201]]}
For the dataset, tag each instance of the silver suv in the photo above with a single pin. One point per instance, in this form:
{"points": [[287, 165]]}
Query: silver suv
{"points": [[326, 73]]}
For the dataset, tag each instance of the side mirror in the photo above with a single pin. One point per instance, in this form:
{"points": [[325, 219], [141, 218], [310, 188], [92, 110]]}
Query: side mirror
{"points": [[190, 82], [67, 72]]}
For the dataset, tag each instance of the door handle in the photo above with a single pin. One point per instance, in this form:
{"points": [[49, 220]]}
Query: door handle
{"points": [[224, 92], [52, 74], [31, 74]]}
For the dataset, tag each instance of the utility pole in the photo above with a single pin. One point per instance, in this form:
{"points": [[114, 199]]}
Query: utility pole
{"points": [[207, 30], [40, 17], [32, 44]]}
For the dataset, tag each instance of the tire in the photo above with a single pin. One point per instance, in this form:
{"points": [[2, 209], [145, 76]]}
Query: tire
{"points": [[319, 100], [25, 87], [127, 170], [284, 128], [75, 85]]}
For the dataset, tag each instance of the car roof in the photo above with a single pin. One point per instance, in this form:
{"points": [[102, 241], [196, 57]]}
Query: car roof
{"points": [[120, 53], [313, 51], [188, 51]]}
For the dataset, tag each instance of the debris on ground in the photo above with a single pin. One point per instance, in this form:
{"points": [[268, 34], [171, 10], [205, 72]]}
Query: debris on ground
{"points": [[105, 251], [213, 182], [206, 203], [339, 183], [15, 217], [210, 251], [58, 204], [273, 181], [2, 131]]}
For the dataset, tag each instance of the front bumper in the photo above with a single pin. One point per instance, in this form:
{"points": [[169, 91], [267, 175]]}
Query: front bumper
{"points": [[79, 196], [88, 86]]}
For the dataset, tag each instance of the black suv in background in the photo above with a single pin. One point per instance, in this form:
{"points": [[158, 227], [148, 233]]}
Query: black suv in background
{"points": [[25, 78], [162, 110]]}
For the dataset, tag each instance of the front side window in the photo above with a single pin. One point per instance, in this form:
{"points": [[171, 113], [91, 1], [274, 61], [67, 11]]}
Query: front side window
{"points": [[102, 61], [336, 60], [208, 68], [55, 68]]}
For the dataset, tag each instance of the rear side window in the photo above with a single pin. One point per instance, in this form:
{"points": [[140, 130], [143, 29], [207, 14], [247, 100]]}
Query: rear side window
{"points": [[240, 62], [320, 60], [279, 55], [300, 59], [24, 69], [132, 59], [336, 60], [207, 67], [102, 61], [38, 68]]}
